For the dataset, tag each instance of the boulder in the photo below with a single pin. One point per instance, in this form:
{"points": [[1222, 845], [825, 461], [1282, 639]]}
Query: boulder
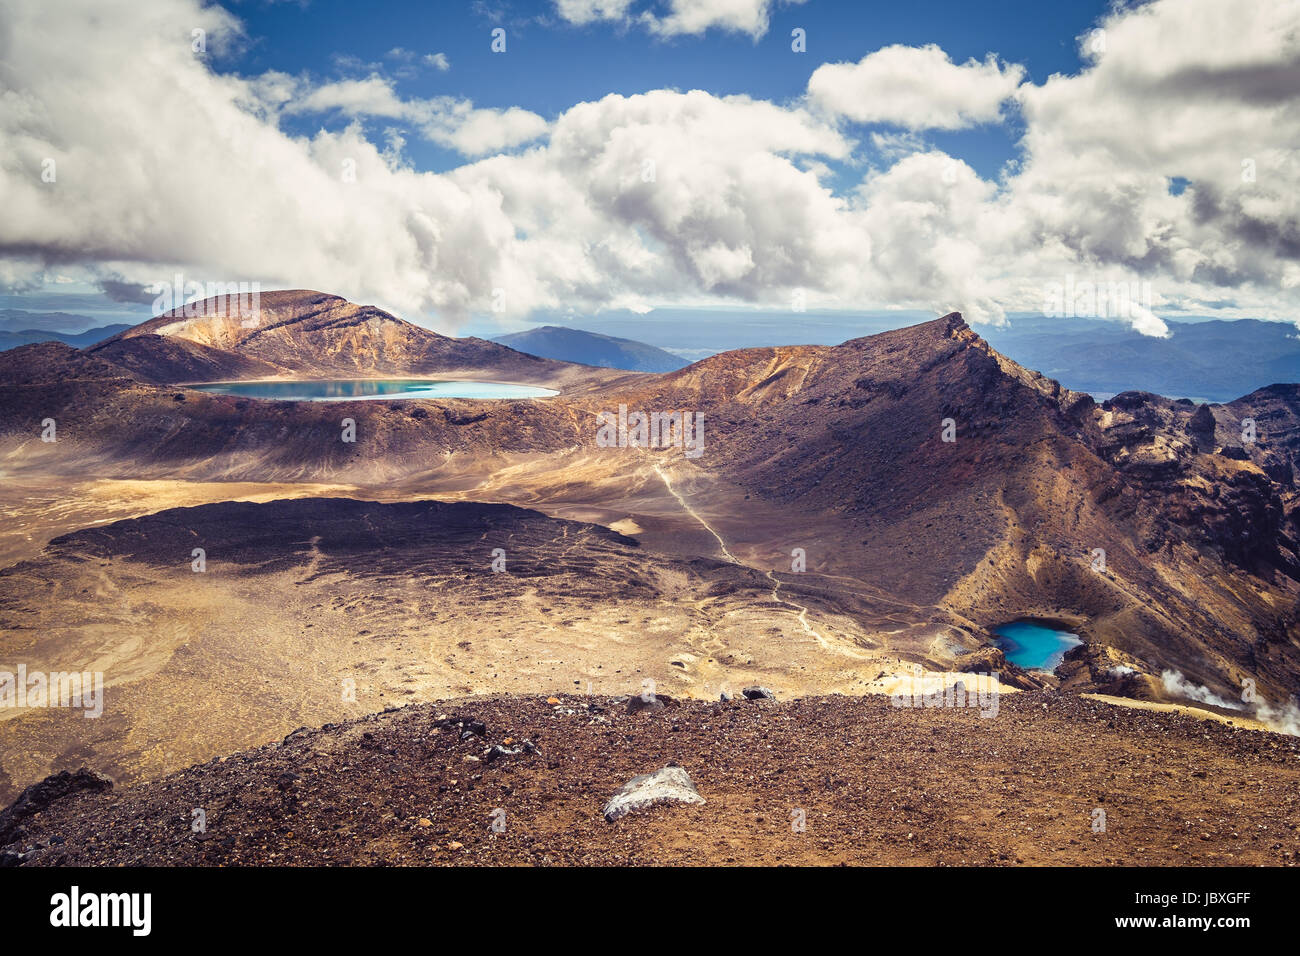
{"points": [[671, 784], [758, 693], [639, 703], [1202, 422]]}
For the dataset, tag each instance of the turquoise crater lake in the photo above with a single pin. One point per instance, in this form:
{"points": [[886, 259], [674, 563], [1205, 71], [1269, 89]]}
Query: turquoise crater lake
{"points": [[366, 389], [1033, 645]]}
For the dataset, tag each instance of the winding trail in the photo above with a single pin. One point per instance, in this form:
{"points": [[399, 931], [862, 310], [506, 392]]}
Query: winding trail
{"points": [[803, 612], [695, 514], [313, 565], [802, 616]]}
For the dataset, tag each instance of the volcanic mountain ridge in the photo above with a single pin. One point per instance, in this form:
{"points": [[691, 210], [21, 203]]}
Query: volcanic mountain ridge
{"points": [[916, 546], [304, 334]]}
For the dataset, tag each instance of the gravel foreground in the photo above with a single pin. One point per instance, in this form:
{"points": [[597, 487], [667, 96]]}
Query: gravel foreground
{"points": [[871, 784]]}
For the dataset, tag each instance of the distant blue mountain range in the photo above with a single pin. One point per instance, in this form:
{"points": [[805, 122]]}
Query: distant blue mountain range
{"points": [[11, 340], [591, 348], [1213, 361]]}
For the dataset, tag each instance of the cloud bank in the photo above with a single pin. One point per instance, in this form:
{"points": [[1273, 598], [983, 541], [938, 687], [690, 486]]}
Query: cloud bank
{"points": [[138, 166]]}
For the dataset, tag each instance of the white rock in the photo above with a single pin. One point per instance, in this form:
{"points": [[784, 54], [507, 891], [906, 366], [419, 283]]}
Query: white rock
{"points": [[670, 783]]}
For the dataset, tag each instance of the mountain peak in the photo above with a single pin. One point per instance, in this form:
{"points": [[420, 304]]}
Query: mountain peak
{"points": [[226, 321], [302, 332]]}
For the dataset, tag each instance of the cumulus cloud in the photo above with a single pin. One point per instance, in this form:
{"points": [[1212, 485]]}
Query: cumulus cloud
{"points": [[445, 120], [438, 61], [190, 174], [684, 191], [160, 164], [693, 17], [929, 216], [1186, 89], [916, 88]]}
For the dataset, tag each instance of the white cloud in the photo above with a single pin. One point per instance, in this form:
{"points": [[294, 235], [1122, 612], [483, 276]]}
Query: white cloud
{"points": [[373, 96], [684, 17], [1186, 89], [438, 61], [662, 198], [444, 120], [930, 219], [666, 190], [693, 17], [581, 12], [916, 88]]}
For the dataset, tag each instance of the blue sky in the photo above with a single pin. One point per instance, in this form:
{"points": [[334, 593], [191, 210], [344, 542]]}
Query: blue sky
{"points": [[551, 64]]}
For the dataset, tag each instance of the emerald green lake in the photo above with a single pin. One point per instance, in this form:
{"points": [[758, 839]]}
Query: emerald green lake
{"points": [[1034, 646]]}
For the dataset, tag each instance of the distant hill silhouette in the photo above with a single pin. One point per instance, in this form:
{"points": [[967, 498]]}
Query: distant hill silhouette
{"points": [[592, 348], [11, 340]]}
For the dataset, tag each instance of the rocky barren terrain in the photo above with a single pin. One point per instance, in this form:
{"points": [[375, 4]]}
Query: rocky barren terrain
{"points": [[871, 784], [400, 601]]}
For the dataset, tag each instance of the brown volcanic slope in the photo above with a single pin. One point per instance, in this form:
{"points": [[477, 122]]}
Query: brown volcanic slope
{"points": [[1201, 560], [833, 450], [305, 334], [876, 784], [299, 596]]}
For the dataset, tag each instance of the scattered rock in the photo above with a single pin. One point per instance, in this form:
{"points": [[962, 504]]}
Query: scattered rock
{"points": [[40, 795], [497, 750], [468, 726]]}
